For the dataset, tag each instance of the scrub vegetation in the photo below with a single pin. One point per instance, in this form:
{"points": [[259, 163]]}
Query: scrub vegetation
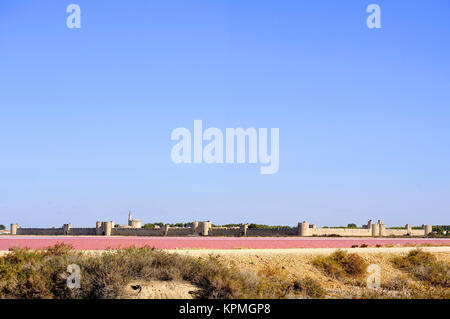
{"points": [[28, 273]]}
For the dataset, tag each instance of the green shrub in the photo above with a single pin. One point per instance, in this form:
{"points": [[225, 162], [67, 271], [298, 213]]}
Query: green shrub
{"points": [[341, 264], [414, 258], [310, 288], [397, 283], [42, 274], [424, 266]]}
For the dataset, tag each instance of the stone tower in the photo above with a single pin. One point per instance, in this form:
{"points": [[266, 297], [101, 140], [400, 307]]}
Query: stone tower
{"points": [[303, 229]]}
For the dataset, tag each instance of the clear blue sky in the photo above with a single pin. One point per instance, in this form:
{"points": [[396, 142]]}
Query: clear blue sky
{"points": [[86, 115]]}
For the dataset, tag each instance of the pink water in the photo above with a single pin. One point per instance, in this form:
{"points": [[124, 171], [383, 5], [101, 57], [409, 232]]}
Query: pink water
{"points": [[99, 243]]}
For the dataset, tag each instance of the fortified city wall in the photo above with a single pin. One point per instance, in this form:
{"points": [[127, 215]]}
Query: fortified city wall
{"points": [[303, 229]]}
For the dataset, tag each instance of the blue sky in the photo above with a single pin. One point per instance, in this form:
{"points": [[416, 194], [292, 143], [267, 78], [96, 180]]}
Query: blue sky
{"points": [[86, 115]]}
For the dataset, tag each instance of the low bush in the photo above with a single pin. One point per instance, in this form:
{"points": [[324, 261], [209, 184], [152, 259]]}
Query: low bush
{"points": [[43, 274], [310, 288], [424, 266], [397, 283], [341, 264]]}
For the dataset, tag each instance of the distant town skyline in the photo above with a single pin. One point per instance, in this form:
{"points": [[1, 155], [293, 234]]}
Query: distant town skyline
{"points": [[86, 115]]}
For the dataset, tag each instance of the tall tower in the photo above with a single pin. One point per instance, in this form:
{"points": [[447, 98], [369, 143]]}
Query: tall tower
{"points": [[130, 218]]}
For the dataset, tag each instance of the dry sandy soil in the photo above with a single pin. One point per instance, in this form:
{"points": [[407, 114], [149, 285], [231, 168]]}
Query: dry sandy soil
{"points": [[296, 263], [159, 290], [289, 263], [105, 242], [293, 263]]}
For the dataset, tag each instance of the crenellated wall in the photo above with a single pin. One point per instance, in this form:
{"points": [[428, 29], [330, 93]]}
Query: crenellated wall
{"points": [[225, 231], [304, 229], [82, 231], [179, 231], [398, 232], [271, 232], [136, 232], [418, 232], [40, 231], [343, 232]]}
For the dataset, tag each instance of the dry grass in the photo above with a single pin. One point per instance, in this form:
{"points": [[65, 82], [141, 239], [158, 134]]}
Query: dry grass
{"points": [[395, 283], [425, 267], [311, 288], [341, 264], [42, 274]]}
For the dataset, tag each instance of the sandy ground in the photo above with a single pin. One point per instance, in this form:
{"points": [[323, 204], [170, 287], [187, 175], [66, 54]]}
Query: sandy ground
{"points": [[159, 290], [289, 263], [297, 264], [292, 264], [304, 251], [114, 242], [292, 251]]}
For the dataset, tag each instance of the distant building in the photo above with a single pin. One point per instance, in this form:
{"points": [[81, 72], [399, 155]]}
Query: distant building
{"points": [[133, 223]]}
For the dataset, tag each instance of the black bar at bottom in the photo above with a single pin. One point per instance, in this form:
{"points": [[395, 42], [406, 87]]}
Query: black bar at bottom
{"points": [[220, 308]]}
